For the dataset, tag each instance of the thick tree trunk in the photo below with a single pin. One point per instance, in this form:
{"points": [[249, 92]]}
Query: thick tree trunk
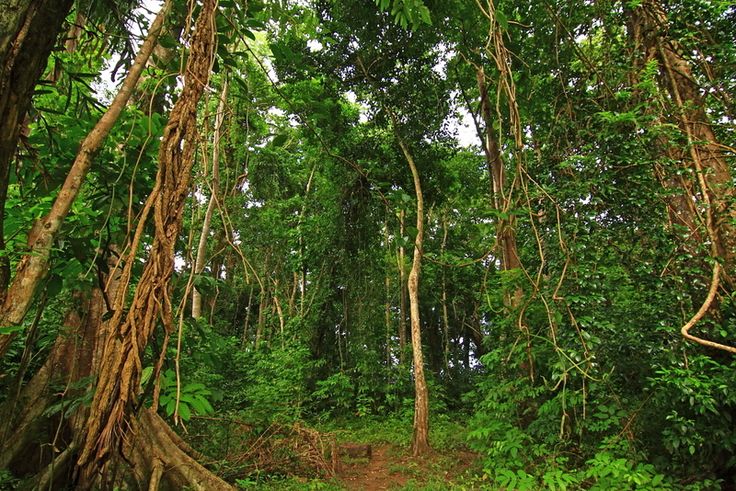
{"points": [[214, 189], [69, 361], [712, 187], [157, 453], [420, 439], [34, 265], [28, 31], [29, 434], [119, 376], [12, 14]]}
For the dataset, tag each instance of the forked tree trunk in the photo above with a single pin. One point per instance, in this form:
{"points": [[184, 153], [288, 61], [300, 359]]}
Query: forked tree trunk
{"points": [[28, 31], [420, 438], [33, 266], [119, 376]]}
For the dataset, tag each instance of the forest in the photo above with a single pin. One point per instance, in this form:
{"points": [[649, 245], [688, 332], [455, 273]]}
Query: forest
{"points": [[367, 244]]}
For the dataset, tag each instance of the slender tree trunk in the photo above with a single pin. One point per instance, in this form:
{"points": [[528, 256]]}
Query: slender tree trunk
{"points": [[402, 290], [261, 326], [420, 439], [246, 323], [34, 265], [506, 232], [279, 311], [214, 189], [292, 295], [445, 315], [387, 293], [28, 31]]}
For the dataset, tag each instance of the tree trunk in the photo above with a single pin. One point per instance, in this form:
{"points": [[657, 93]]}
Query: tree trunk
{"points": [[71, 359], [34, 265], [246, 323], [445, 314], [505, 229], [402, 290], [387, 293], [705, 156], [420, 439], [30, 433], [214, 189], [119, 377], [28, 31], [11, 17], [156, 452]]}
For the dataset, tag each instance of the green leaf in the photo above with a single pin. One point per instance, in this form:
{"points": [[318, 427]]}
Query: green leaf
{"points": [[208, 409], [146, 375], [167, 41], [279, 140], [170, 407], [502, 20], [193, 387], [184, 412], [10, 329]]}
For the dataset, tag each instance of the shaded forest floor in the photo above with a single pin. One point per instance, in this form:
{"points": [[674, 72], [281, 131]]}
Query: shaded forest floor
{"points": [[391, 466]]}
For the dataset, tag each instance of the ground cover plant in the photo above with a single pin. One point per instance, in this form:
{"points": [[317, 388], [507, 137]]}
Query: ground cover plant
{"points": [[356, 244]]}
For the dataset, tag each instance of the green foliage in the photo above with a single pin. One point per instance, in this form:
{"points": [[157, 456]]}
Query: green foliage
{"points": [[565, 373], [288, 484], [9, 481], [274, 387], [72, 397], [407, 12], [192, 398]]}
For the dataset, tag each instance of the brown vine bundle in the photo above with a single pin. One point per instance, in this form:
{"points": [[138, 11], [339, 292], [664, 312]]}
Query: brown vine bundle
{"points": [[120, 369]]}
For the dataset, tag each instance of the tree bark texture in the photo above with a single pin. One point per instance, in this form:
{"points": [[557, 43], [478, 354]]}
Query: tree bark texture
{"points": [[153, 453], [420, 439], [12, 14], [119, 377], [28, 32], [33, 266], [71, 359], [505, 228], [705, 157], [402, 290]]}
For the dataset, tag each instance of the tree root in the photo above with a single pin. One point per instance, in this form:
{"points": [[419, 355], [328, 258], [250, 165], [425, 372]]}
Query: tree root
{"points": [[158, 455]]}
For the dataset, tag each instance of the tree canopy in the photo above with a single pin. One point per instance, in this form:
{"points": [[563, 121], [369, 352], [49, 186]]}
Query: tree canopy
{"points": [[240, 241]]}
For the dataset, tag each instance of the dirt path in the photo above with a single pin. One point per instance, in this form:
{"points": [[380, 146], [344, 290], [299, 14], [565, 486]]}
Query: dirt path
{"points": [[381, 472], [391, 468]]}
